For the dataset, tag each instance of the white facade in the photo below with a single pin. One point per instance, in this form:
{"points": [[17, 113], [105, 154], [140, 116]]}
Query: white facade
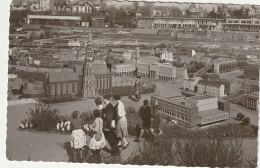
{"points": [[215, 90], [157, 71], [144, 69], [128, 55], [191, 83], [166, 56], [46, 5], [120, 70], [206, 104], [211, 88]]}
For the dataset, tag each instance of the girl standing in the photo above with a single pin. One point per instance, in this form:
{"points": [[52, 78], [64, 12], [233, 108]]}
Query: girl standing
{"points": [[97, 142]]}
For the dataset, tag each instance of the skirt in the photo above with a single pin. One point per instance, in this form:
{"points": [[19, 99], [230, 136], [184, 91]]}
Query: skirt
{"points": [[78, 139], [94, 144], [121, 129]]}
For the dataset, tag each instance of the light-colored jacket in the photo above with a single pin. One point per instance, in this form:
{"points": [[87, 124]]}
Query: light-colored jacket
{"points": [[121, 109]]}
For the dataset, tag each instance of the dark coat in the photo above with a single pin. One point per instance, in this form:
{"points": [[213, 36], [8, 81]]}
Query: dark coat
{"points": [[108, 114], [146, 116]]}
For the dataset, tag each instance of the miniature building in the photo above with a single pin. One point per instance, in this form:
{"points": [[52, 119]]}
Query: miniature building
{"points": [[54, 20], [191, 111], [166, 56], [215, 89], [89, 90], [191, 83], [252, 24], [123, 69], [210, 77], [184, 114], [251, 71], [61, 85], [251, 101], [46, 5], [177, 22], [250, 86], [224, 65], [157, 71], [101, 84], [208, 111]]}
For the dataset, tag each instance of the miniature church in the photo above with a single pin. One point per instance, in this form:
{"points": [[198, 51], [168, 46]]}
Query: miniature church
{"points": [[89, 83]]}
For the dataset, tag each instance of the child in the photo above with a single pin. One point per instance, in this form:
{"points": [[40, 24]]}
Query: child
{"points": [[97, 142], [23, 124]]}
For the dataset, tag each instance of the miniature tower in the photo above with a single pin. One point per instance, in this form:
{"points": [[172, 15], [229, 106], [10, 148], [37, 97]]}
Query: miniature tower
{"points": [[89, 87]]}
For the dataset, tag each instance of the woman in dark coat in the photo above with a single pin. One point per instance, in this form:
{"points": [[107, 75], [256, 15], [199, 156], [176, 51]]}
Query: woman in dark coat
{"points": [[146, 116]]}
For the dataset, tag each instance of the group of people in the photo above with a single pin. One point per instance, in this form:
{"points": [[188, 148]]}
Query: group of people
{"points": [[110, 124]]}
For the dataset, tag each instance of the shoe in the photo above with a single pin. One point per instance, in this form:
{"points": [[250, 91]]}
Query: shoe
{"points": [[124, 147], [137, 140]]}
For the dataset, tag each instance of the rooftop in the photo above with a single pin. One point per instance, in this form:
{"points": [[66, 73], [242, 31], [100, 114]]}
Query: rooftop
{"points": [[210, 83], [201, 97], [166, 99], [254, 95], [64, 76], [100, 69], [180, 18], [77, 18]]}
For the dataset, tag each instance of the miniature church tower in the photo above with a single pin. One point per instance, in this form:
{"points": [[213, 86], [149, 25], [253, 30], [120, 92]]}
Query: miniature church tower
{"points": [[89, 87]]}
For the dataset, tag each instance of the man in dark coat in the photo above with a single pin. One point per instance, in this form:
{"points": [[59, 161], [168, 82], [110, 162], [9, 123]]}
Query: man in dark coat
{"points": [[146, 116], [109, 116]]}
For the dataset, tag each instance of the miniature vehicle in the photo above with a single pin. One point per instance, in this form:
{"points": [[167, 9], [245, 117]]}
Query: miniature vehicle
{"points": [[174, 121]]}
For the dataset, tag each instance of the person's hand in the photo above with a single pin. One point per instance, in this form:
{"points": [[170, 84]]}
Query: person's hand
{"points": [[106, 129]]}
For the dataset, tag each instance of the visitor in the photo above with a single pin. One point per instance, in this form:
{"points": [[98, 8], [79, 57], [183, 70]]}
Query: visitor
{"points": [[138, 88], [78, 137], [146, 116], [24, 124], [109, 118], [97, 141], [157, 122], [109, 62], [99, 103], [121, 128]]}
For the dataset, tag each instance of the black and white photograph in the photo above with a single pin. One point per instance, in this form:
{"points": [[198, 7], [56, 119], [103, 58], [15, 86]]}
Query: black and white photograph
{"points": [[95, 82]]}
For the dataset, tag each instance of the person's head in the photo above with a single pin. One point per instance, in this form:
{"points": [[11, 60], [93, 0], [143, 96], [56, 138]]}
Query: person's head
{"points": [[146, 103], [107, 99], [116, 98], [98, 101], [75, 114], [96, 113]]}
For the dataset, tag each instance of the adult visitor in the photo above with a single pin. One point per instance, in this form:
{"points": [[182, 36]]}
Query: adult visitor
{"points": [[146, 116], [109, 118], [78, 137], [157, 123], [138, 88], [121, 128]]}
